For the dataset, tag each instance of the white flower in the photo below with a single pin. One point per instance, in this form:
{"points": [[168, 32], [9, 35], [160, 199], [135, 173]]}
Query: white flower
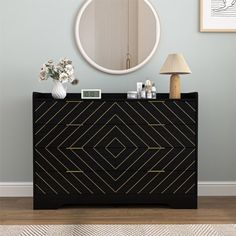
{"points": [[43, 73], [65, 61], [49, 64], [69, 67], [63, 78], [58, 68], [69, 70], [44, 68], [43, 76]]}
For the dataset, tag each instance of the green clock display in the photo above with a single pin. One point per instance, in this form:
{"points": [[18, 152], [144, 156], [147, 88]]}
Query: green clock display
{"points": [[91, 93]]}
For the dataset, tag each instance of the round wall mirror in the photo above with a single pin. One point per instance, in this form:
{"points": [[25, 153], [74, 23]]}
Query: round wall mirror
{"points": [[117, 36]]}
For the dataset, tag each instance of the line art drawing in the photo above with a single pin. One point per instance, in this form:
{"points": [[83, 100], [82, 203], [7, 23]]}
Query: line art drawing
{"points": [[223, 8], [227, 5]]}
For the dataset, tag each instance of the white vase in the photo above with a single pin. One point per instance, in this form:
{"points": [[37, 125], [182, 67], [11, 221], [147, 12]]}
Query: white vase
{"points": [[58, 90]]}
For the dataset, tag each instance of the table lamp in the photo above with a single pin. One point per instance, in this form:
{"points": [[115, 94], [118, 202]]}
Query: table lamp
{"points": [[175, 65]]}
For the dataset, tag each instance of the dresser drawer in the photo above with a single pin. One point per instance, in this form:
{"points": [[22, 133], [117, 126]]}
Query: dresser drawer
{"points": [[138, 182], [111, 161], [116, 135], [166, 183], [71, 183], [64, 160], [163, 111], [167, 159], [115, 112], [79, 112]]}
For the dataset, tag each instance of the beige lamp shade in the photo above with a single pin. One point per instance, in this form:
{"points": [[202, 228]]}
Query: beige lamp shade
{"points": [[175, 64]]}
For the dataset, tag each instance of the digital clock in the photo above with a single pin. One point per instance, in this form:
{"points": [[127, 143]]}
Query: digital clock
{"points": [[91, 93]]}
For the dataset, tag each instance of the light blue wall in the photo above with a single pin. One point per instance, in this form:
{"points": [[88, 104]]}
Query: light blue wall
{"points": [[35, 30]]}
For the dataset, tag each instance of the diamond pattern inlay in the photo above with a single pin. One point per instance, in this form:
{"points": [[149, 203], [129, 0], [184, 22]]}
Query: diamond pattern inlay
{"points": [[115, 147], [108, 133]]}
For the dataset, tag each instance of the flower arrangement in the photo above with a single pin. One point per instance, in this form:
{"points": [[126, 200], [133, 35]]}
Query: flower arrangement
{"points": [[63, 71]]}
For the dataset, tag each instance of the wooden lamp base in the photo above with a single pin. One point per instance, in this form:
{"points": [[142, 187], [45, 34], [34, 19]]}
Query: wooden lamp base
{"points": [[175, 87]]}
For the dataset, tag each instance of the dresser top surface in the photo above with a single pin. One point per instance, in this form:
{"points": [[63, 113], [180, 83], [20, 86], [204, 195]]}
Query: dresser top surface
{"points": [[115, 96]]}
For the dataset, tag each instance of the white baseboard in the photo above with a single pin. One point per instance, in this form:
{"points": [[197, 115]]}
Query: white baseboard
{"points": [[25, 189], [16, 189], [217, 188]]}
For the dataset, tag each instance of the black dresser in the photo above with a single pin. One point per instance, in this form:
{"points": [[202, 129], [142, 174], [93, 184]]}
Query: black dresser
{"points": [[115, 151]]}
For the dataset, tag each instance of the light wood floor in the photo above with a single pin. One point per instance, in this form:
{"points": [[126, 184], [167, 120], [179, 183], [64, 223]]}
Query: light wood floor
{"points": [[211, 210]]}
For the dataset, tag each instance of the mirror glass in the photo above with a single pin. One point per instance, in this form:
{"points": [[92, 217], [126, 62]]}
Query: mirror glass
{"points": [[117, 36]]}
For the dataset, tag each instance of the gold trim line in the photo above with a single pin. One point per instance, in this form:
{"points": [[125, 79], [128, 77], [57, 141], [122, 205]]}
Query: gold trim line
{"points": [[74, 125], [156, 148], [156, 124], [74, 171], [156, 171]]}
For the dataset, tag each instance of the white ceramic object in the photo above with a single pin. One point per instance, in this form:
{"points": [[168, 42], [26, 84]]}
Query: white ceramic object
{"points": [[58, 90]]}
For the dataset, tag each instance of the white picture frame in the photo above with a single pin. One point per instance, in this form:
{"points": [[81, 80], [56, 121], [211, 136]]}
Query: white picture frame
{"points": [[217, 16]]}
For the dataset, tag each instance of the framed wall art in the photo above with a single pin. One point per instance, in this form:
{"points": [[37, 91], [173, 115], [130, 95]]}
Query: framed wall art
{"points": [[218, 15]]}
